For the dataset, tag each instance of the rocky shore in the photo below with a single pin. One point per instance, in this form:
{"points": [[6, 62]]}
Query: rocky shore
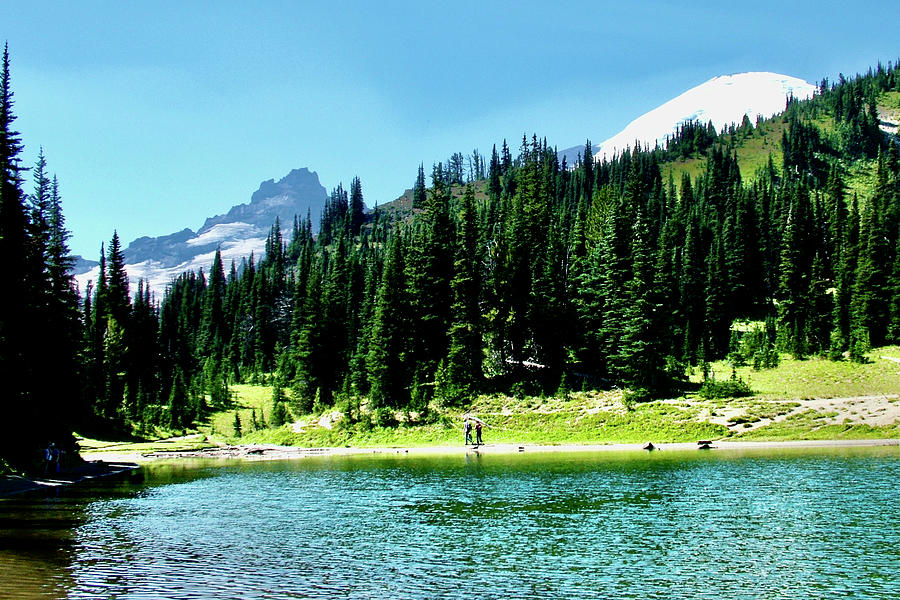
{"points": [[84, 471]]}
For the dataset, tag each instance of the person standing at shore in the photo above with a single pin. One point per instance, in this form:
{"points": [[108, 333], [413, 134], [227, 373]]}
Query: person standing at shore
{"points": [[478, 425], [48, 457], [467, 428]]}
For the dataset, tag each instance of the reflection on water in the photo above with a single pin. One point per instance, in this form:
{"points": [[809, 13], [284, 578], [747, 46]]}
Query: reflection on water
{"points": [[810, 524]]}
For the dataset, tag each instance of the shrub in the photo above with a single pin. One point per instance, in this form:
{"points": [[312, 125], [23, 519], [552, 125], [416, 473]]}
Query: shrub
{"points": [[735, 387], [632, 397], [859, 345], [755, 347], [384, 417], [279, 415]]}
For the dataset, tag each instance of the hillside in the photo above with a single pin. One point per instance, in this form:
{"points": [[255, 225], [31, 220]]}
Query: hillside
{"points": [[754, 148]]}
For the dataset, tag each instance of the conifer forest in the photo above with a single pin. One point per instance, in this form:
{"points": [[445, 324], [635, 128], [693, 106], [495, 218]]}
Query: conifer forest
{"points": [[514, 273]]}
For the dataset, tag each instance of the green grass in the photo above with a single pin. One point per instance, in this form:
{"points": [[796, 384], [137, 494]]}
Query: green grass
{"points": [[656, 421], [820, 377], [190, 442], [247, 399], [860, 180], [890, 103], [753, 153]]}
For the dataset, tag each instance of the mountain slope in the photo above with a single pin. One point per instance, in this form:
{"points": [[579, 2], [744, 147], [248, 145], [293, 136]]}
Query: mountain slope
{"points": [[722, 100], [242, 230]]}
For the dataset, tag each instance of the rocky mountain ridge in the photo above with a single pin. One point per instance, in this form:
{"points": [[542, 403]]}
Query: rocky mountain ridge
{"points": [[237, 233]]}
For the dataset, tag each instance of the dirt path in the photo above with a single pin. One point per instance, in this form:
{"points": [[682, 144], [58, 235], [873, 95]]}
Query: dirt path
{"points": [[876, 410], [260, 452]]}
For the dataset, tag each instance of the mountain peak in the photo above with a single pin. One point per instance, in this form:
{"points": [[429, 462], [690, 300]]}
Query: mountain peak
{"points": [[242, 230], [294, 182], [723, 100], [293, 194]]}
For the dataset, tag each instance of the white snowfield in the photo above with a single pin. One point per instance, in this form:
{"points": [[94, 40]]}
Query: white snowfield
{"points": [[236, 241], [722, 100], [223, 232]]}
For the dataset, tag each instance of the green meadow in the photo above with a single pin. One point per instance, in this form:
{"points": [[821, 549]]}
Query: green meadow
{"points": [[775, 411]]}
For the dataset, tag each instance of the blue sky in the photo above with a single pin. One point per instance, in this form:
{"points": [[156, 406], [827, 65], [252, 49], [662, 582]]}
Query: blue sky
{"points": [[157, 115]]}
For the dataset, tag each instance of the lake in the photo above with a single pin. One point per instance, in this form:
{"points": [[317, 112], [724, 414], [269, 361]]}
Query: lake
{"points": [[792, 523]]}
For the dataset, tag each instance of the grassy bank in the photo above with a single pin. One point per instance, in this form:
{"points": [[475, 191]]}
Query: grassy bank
{"points": [[786, 405]]}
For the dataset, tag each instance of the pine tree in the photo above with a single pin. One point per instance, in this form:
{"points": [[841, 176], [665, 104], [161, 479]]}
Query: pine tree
{"points": [[796, 267], [717, 321], [615, 270], [118, 303], [357, 207], [213, 332], [26, 304], [238, 430], [871, 292], [464, 358], [587, 164], [179, 412], [390, 374], [429, 270], [639, 362], [894, 327], [845, 282], [419, 191]]}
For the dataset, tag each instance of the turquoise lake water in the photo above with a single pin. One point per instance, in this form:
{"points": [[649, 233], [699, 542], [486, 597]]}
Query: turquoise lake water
{"points": [[761, 524]]}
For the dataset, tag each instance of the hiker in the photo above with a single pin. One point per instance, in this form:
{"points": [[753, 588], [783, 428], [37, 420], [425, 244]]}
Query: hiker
{"points": [[56, 452], [478, 425], [467, 427], [48, 457]]}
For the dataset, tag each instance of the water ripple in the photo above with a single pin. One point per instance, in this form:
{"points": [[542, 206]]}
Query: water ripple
{"points": [[808, 525]]}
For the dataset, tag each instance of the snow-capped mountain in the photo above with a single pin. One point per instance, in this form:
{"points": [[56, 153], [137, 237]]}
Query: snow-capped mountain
{"points": [[236, 234], [722, 100]]}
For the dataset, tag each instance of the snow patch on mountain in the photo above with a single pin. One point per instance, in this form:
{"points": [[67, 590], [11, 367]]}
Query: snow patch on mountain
{"points": [[158, 274], [222, 233], [722, 100], [238, 233]]}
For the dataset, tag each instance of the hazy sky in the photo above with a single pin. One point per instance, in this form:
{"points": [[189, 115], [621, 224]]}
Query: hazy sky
{"points": [[155, 116]]}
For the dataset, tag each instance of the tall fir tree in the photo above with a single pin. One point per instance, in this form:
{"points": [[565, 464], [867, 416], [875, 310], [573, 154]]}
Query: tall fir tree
{"points": [[463, 369]]}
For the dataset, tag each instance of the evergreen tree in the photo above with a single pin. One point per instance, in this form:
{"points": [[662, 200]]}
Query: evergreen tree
{"points": [[388, 361], [213, 332], [615, 271], [179, 405], [429, 269], [717, 319], [357, 207], [639, 361], [117, 301], [35, 330], [15, 299], [464, 358], [871, 292], [419, 191], [796, 267]]}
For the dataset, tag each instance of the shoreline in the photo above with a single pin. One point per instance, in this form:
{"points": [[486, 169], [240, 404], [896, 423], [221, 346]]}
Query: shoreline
{"points": [[101, 464], [11, 485], [273, 452]]}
